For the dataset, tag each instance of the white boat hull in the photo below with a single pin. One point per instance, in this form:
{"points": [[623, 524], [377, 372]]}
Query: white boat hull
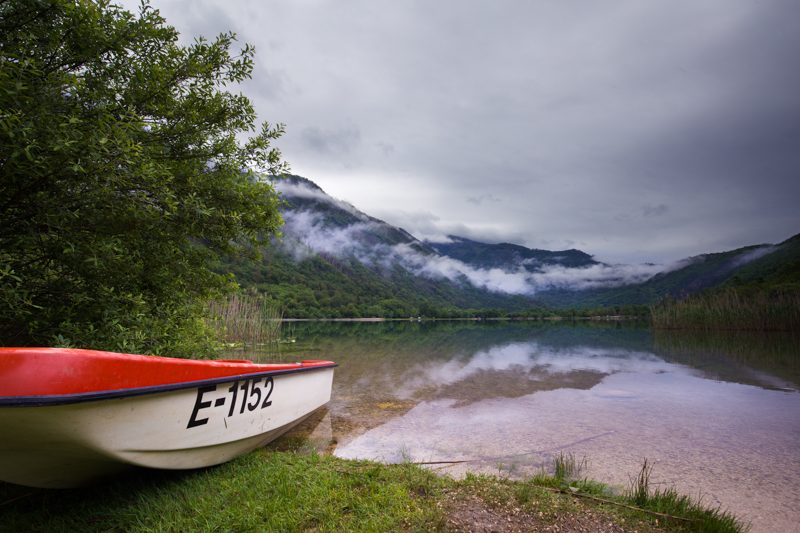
{"points": [[74, 444]]}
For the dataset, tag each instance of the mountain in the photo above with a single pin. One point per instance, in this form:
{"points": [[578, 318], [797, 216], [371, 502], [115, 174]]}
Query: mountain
{"points": [[763, 266], [779, 269], [509, 256], [305, 199], [336, 261]]}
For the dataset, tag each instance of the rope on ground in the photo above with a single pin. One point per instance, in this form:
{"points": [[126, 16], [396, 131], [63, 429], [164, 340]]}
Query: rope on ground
{"points": [[544, 451], [444, 462], [12, 500], [619, 504], [562, 491]]}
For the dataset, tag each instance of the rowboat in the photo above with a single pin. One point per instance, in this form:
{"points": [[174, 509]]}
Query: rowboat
{"points": [[70, 417]]}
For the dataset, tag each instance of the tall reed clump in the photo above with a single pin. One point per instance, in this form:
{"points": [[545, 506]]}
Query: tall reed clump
{"points": [[242, 319], [730, 309], [684, 508], [566, 467], [684, 512], [567, 473]]}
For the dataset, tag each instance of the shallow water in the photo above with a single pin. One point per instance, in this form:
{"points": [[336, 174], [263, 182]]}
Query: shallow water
{"points": [[719, 416]]}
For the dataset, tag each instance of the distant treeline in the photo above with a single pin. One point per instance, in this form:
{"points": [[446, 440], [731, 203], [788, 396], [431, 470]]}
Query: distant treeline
{"points": [[323, 286], [744, 309], [762, 296]]}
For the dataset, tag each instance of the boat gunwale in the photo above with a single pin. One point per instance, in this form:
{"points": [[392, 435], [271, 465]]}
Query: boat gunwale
{"points": [[81, 397]]}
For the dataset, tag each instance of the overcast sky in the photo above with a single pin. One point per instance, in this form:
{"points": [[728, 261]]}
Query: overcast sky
{"points": [[633, 130]]}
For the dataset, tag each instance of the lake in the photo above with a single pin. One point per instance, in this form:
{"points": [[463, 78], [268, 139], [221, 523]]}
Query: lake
{"points": [[718, 415]]}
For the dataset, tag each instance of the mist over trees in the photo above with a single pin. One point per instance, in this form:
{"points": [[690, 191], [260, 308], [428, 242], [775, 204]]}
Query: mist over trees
{"points": [[123, 176]]}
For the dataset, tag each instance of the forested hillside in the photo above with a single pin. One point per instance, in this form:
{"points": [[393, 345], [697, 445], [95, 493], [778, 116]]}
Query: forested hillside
{"points": [[762, 295], [777, 270], [326, 286], [336, 261], [691, 276]]}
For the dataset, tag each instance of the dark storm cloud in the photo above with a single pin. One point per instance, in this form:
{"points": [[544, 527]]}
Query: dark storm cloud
{"points": [[637, 131]]}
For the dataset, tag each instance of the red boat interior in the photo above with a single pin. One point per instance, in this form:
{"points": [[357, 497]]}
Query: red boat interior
{"points": [[26, 372]]}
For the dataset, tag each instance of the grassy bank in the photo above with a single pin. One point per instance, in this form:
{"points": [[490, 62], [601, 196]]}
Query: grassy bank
{"points": [[287, 491], [731, 309]]}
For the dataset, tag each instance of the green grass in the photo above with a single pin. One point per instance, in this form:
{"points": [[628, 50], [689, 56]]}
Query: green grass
{"points": [[682, 513], [263, 491], [288, 491]]}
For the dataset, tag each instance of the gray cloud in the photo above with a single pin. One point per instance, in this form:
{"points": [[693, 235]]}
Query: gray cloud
{"points": [[386, 148], [654, 210], [483, 198], [306, 233], [521, 281], [582, 118], [288, 189], [343, 140], [752, 255], [273, 84]]}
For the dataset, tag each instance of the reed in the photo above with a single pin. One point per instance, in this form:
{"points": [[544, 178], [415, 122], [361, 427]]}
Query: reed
{"points": [[670, 502], [566, 467], [567, 475], [730, 309], [639, 491], [246, 320]]}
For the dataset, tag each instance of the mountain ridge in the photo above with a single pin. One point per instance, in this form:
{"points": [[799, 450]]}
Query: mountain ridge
{"points": [[505, 253], [335, 260]]}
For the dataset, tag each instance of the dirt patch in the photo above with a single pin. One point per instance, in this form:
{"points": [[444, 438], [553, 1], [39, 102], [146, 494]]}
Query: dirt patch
{"points": [[469, 513]]}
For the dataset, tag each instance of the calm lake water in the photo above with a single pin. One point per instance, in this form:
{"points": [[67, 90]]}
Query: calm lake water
{"points": [[718, 415]]}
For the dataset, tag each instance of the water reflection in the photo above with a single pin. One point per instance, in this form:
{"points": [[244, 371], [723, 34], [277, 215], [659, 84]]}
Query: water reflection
{"points": [[767, 360], [718, 419]]}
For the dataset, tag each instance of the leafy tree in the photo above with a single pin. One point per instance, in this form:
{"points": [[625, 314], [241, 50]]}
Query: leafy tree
{"points": [[126, 165]]}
